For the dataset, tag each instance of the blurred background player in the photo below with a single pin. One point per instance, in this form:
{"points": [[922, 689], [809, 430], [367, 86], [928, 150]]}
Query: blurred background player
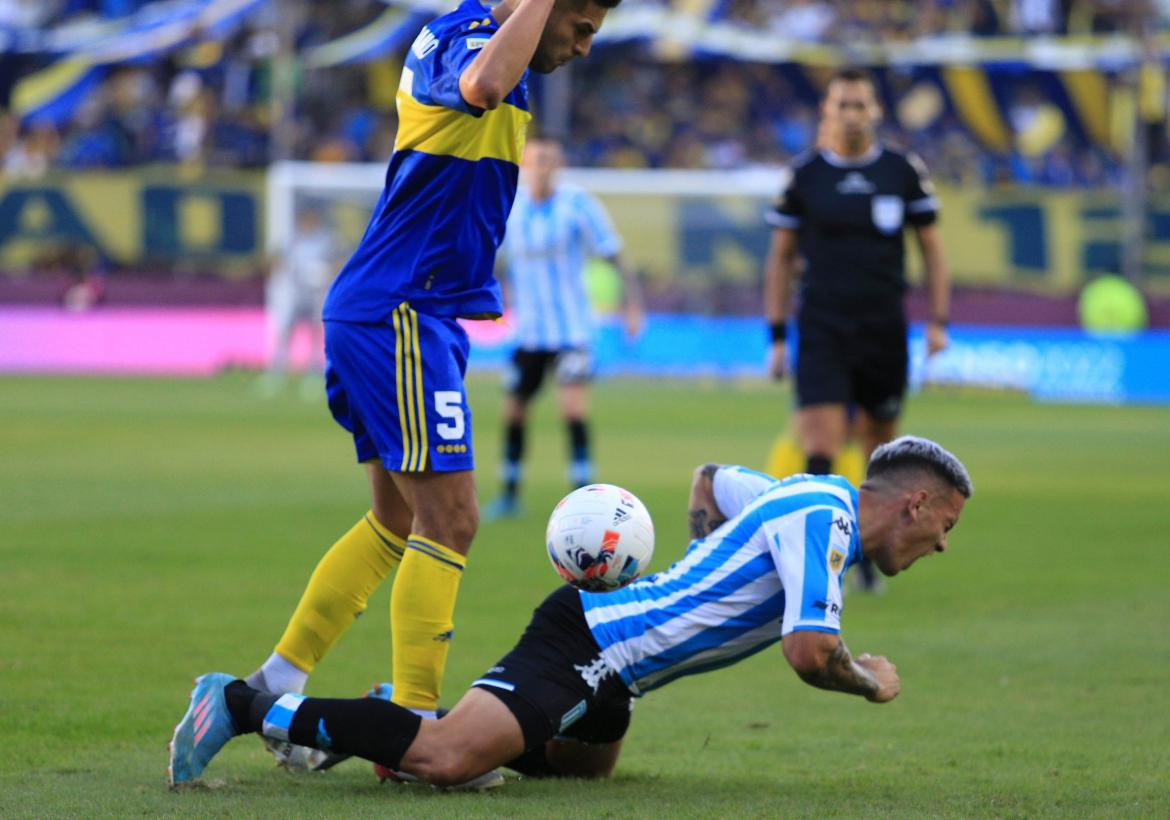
{"points": [[553, 231], [843, 213], [295, 295], [396, 354]]}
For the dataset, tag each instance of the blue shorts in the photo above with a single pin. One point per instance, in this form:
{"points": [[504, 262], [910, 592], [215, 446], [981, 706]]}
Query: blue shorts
{"points": [[398, 388]]}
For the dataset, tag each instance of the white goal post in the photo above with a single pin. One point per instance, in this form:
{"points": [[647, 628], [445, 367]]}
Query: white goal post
{"points": [[358, 185]]}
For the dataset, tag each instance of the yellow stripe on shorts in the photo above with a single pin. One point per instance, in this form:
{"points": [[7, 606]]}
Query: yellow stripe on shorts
{"points": [[398, 386], [419, 395]]}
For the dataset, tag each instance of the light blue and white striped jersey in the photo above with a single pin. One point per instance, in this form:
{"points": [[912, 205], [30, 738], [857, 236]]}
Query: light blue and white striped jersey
{"points": [[775, 566], [546, 246]]}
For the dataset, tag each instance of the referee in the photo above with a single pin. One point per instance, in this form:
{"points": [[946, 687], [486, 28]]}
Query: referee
{"points": [[841, 219]]}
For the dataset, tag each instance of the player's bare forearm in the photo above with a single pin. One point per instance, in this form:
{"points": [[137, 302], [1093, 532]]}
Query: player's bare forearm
{"points": [[938, 280], [821, 659], [780, 272], [631, 287], [632, 307], [499, 66], [703, 514], [841, 674]]}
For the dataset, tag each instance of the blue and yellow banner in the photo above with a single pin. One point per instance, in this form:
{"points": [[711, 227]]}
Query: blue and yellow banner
{"points": [[148, 217], [698, 246]]}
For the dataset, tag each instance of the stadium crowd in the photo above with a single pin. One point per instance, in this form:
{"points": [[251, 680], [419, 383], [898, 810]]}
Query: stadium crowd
{"points": [[211, 104]]}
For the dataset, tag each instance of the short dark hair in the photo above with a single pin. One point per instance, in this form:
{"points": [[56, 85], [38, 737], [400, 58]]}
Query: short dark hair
{"points": [[851, 74], [605, 4], [914, 454]]}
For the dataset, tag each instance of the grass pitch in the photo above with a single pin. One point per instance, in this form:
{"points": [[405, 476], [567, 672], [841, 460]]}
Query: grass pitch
{"points": [[151, 530]]}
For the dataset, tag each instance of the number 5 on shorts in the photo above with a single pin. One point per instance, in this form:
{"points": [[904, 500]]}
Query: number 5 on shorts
{"points": [[449, 405]]}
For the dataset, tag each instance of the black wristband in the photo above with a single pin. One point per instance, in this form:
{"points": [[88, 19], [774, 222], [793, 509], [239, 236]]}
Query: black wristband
{"points": [[778, 331]]}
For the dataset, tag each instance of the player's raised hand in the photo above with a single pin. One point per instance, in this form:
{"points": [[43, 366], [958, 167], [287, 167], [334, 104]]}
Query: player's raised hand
{"points": [[778, 360], [887, 677]]}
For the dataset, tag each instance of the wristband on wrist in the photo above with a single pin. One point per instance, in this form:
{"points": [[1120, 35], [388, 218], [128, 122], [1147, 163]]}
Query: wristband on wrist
{"points": [[778, 331]]}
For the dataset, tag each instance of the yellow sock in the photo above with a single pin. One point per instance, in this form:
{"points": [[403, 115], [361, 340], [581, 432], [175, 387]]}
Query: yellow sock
{"points": [[422, 605], [338, 591]]}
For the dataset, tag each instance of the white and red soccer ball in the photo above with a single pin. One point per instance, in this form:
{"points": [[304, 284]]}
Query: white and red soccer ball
{"points": [[600, 537]]}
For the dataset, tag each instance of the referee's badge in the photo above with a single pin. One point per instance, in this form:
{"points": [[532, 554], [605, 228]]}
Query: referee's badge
{"points": [[887, 213]]}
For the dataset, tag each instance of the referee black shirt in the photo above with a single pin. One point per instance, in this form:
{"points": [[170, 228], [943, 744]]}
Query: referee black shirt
{"points": [[849, 214]]}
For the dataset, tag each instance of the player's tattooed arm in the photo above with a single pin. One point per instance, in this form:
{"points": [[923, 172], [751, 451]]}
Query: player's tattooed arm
{"points": [[841, 674], [703, 513], [831, 667]]}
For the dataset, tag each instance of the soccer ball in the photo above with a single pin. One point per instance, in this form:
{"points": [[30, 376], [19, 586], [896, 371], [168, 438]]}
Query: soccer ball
{"points": [[600, 537]]}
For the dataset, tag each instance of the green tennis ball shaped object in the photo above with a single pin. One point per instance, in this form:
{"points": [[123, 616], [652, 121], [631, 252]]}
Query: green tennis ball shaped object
{"points": [[1110, 304]]}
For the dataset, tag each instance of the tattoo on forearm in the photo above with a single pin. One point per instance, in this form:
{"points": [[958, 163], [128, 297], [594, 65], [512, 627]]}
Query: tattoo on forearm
{"points": [[703, 523], [841, 674]]}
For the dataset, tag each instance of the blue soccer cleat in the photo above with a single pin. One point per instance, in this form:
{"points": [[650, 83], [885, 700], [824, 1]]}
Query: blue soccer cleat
{"points": [[203, 731], [505, 507]]}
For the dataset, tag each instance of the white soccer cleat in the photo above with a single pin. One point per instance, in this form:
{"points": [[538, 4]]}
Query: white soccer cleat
{"points": [[301, 758]]}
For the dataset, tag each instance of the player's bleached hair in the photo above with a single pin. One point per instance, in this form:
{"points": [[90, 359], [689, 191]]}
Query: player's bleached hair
{"points": [[914, 453]]}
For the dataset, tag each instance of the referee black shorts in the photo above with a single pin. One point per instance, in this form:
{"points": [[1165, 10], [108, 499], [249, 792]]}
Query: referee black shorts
{"points": [[852, 360], [555, 681], [525, 373]]}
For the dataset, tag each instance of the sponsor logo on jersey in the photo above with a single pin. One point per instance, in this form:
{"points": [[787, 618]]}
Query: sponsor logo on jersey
{"points": [[855, 183], [476, 43], [424, 43], [842, 523], [828, 606], [594, 672]]}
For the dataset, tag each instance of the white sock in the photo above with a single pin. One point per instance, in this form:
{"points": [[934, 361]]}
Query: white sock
{"points": [[278, 676]]}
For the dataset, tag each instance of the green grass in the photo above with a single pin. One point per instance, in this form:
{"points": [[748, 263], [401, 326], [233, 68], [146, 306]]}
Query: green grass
{"points": [[152, 530]]}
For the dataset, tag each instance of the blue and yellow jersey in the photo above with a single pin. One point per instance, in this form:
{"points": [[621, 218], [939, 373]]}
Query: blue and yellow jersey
{"points": [[433, 235]]}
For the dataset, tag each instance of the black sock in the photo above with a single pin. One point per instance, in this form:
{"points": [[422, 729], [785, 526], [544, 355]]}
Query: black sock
{"points": [[819, 465], [578, 440], [240, 698], [513, 454], [580, 467], [370, 728]]}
